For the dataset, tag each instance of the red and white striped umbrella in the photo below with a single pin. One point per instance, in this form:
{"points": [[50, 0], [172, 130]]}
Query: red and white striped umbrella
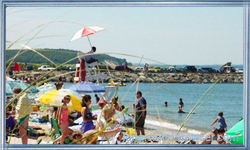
{"points": [[86, 31]]}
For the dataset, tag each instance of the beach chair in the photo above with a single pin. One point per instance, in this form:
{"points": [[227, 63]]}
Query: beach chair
{"points": [[58, 131]]}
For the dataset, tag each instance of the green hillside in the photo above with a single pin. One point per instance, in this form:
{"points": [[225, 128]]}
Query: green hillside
{"points": [[56, 55]]}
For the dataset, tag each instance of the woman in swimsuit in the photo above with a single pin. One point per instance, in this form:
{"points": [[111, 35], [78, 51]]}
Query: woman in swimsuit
{"points": [[87, 123], [63, 119], [221, 120]]}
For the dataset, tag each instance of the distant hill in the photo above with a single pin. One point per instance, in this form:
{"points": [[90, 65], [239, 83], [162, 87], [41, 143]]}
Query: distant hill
{"points": [[58, 56]]}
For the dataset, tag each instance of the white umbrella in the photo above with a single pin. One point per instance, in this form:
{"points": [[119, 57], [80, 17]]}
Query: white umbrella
{"points": [[85, 32]]}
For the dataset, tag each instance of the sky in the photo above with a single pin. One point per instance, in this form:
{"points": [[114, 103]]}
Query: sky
{"points": [[171, 35]]}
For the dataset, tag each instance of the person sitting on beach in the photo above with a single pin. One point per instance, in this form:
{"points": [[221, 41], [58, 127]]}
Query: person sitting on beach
{"points": [[119, 138], [10, 125], [102, 103], [109, 134], [63, 119], [215, 135], [22, 112], [97, 98], [87, 123], [132, 115], [181, 104], [221, 120], [221, 133], [114, 102], [123, 107], [211, 136], [10, 122], [77, 138], [91, 58]]}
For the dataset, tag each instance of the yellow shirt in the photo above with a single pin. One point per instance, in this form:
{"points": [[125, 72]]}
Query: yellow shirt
{"points": [[23, 107]]}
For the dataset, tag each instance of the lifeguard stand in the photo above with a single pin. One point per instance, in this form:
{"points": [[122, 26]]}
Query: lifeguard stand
{"points": [[84, 69]]}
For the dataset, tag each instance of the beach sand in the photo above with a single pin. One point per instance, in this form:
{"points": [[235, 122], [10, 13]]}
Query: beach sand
{"points": [[34, 139], [149, 130]]}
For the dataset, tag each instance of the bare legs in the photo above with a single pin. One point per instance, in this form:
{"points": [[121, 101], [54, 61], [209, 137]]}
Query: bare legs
{"points": [[23, 131], [140, 132], [65, 133]]}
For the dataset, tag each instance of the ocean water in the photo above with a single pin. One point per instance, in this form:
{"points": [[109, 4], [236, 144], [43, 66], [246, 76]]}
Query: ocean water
{"points": [[222, 97]]}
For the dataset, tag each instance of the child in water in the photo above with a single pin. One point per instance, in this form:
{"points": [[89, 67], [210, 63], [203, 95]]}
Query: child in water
{"points": [[221, 120]]}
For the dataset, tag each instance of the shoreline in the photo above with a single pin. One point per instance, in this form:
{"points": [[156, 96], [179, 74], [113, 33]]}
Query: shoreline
{"points": [[166, 124]]}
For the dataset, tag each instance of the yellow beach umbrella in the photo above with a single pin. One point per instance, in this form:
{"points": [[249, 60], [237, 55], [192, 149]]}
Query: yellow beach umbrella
{"points": [[55, 97]]}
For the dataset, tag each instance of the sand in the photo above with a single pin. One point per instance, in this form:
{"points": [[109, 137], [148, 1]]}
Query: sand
{"points": [[47, 140], [149, 130]]}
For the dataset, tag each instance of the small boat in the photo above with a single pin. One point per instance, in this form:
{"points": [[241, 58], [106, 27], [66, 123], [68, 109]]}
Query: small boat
{"points": [[116, 83]]}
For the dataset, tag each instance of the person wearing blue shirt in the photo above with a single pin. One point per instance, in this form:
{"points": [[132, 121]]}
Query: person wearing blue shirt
{"points": [[141, 113]]}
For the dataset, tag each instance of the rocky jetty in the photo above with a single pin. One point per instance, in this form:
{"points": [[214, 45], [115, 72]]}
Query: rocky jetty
{"points": [[176, 77], [154, 77]]}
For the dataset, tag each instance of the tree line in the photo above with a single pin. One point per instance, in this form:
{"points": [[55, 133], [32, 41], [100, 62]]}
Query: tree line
{"points": [[58, 56]]}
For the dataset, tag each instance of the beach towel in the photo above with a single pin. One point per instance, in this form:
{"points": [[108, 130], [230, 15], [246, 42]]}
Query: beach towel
{"points": [[57, 130]]}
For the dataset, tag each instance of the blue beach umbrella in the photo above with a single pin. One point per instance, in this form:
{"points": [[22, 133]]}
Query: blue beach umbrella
{"points": [[86, 87]]}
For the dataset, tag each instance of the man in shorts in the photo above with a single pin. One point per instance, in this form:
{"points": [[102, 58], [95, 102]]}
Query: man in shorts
{"points": [[140, 114]]}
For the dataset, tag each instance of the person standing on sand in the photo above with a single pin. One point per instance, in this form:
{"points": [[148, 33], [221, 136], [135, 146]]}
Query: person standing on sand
{"points": [[141, 113], [221, 120], [87, 123], [63, 119], [23, 110], [58, 87]]}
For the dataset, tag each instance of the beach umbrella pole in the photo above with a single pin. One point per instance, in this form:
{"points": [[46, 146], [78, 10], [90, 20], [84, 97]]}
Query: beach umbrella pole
{"points": [[89, 42]]}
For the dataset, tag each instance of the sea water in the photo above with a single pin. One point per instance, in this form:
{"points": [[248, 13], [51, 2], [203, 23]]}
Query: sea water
{"points": [[222, 97]]}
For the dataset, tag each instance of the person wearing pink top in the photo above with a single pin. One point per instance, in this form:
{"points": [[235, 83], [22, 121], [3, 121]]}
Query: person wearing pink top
{"points": [[63, 119]]}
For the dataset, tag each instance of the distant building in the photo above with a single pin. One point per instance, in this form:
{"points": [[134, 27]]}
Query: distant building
{"points": [[227, 68]]}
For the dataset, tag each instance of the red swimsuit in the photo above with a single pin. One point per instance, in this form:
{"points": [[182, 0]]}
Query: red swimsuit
{"points": [[64, 115]]}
